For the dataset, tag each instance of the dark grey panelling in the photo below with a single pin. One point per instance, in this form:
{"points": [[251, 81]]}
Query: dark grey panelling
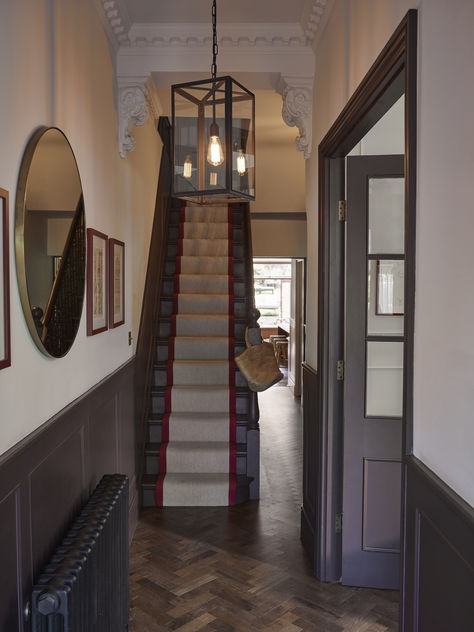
{"points": [[439, 572], [9, 560], [45, 478]]}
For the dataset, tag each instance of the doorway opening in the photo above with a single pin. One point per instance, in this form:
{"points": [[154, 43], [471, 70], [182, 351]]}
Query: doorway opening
{"points": [[392, 76], [279, 296]]}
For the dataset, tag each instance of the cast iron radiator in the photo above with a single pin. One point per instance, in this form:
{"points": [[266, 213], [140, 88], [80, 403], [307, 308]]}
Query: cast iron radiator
{"points": [[85, 585]]}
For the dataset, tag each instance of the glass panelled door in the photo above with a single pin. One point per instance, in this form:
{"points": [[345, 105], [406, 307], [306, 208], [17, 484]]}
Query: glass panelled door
{"points": [[373, 381]]}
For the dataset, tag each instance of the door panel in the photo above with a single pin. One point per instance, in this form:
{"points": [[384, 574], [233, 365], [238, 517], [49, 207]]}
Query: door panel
{"points": [[373, 381]]}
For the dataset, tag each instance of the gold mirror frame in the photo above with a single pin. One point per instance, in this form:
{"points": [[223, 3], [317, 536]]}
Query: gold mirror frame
{"points": [[20, 260]]}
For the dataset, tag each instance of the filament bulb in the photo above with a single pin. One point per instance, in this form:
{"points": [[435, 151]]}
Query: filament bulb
{"points": [[241, 163], [188, 167], [215, 155]]}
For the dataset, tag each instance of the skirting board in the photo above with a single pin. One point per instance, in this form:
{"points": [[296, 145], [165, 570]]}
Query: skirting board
{"points": [[439, 555]]}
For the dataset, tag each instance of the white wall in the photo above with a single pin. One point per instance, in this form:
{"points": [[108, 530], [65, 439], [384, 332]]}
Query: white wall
{"points": [[55, 69], [444, 345]]}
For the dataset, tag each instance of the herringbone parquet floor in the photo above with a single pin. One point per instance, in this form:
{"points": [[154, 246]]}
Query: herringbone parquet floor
{"points": [[243, 569]]}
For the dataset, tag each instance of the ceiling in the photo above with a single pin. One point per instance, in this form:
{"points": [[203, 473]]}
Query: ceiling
{"points": [[199, 11]]}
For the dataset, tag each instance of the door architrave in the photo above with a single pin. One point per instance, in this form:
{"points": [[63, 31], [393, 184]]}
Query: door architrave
{"points": [[393, 74]]}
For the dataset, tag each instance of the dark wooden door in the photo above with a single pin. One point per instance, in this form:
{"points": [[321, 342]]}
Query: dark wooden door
{"points": [[373, 380]]}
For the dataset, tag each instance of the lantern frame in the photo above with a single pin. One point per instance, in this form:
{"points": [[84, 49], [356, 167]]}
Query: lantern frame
{"points": [[225, 92]]}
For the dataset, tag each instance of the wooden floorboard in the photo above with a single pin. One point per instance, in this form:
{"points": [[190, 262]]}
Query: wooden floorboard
{"points": [[243, 569]]}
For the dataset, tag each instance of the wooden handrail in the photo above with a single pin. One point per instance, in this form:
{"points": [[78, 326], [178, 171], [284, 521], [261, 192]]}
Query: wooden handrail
{"points": [[145, 352]]}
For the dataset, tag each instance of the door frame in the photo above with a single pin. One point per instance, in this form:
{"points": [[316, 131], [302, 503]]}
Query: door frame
{"points": [[393, 74]]}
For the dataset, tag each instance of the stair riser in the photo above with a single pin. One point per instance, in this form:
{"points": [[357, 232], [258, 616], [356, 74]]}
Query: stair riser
{"points": [[170, 267], [173, 234], [175, 218], [162, 351], [161, 379], [158, 405], [164, 330], [152, 464], [154, 432], [172, 251], [239, 288], [149, 495], [166, 308]]}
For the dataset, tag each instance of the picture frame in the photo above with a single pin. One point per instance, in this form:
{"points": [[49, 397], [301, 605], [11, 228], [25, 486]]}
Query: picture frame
{"points": [[97, 282], [5, 340], [390, 288], [116, 283]]}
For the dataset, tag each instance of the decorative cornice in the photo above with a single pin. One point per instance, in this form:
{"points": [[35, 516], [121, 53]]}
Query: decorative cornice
{"points": [[114, 17], [312, 16], [230, 35], [297, 94]]}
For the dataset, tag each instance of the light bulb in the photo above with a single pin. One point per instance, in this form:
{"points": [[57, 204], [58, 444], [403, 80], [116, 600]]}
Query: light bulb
{"points": [[241, 163], [215, 155], [187, 168], [213, 178]]}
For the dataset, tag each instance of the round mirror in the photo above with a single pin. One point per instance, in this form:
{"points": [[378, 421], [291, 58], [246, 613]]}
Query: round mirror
{"points": [[50, 244]]}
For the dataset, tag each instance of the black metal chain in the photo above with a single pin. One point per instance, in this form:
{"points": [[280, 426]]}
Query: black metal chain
{"points": [[215, 47]]}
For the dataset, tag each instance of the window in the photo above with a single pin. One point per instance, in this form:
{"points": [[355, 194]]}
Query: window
{"points": [[272, 279]]}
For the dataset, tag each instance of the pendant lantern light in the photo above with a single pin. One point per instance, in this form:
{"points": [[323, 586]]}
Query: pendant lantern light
{"points": [[213, 124]]}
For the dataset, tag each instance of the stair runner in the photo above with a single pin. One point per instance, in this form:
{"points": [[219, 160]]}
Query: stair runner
{"points": [[198, 449]]}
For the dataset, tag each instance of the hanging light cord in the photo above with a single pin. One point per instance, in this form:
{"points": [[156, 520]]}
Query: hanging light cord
{"points": [[215, 47]]}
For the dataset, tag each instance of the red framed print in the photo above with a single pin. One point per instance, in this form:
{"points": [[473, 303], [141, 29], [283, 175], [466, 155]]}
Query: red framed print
{"points": [[97, 281], [116, 283], [5, 349], [390, 287]]}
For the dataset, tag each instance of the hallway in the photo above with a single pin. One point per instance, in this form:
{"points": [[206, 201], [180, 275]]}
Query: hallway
{"points": [[243, 568]]}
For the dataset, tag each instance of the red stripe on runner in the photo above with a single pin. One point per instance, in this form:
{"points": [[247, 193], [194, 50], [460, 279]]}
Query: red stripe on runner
{"points": [[180, 247], [168, 390], [178, 265], [169, 373], [171, 349], [175, 303], [176, 284], [182, 212], [173, 325], [165, 428]]}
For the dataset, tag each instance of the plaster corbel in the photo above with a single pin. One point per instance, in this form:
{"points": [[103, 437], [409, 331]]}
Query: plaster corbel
{"points": [[133, 109], [297, 111]]}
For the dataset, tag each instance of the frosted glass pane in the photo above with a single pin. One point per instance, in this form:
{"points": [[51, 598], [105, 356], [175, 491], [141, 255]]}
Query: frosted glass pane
{"points": [[386, 215], [385, 298], [384, 384]]}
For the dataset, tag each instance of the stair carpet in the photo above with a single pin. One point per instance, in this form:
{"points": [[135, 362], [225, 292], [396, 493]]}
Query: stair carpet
{"points": [[197, 455]]}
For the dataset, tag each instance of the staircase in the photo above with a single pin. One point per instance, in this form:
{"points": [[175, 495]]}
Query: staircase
{"points": [[202, 432]]}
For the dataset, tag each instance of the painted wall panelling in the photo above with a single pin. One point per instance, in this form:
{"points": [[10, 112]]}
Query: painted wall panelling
{"points": [[439, 564], [46, 478]]}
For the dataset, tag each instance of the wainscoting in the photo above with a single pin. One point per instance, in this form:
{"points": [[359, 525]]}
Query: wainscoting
{"points": [[49, 475], [439, 577]]}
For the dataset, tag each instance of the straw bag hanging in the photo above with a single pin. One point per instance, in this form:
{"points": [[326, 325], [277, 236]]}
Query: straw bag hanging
{"points": [[258, 365]]}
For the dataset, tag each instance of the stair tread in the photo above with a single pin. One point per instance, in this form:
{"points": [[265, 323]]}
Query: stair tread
{"points": [[154, 448], [157, 418], [149, 480]]}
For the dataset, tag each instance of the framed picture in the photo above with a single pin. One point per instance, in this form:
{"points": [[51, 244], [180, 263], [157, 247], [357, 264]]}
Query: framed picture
{"points": [[97, 279], [116, 283], [390, 288], [5, 350]]}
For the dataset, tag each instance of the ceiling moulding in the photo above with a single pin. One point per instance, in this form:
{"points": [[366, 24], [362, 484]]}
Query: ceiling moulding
{"points": [[312, 17], [137, 101], [297, 95], [115, 20], [235, 34]]}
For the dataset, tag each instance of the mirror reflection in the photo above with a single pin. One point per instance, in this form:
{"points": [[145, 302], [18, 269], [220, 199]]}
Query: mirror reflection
{"points": [[50, 241]]}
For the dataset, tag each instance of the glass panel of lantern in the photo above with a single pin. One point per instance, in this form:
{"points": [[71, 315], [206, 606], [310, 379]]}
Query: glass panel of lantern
{"points": [[213, 141]]}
